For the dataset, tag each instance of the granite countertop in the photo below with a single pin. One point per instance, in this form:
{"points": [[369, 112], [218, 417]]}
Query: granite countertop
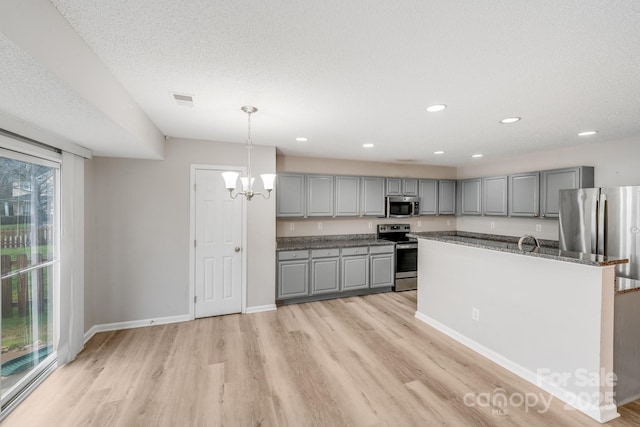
{"points": [[624, 285], [326, 242], [548, 248]]}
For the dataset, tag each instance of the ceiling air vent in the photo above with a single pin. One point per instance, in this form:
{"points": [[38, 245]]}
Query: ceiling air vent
{"points": [[182, 99]]}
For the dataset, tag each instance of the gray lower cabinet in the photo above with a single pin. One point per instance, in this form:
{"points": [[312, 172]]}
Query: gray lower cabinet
{"points": [[495, 196], [428, 192], [293, 274], [347, 196], [524, 194], [319, 195], [382, 264], [373, 190], [325, 268], [552, 181], [471, 196], [355, 268], [290, 196], [305, 274], [446, 197]]}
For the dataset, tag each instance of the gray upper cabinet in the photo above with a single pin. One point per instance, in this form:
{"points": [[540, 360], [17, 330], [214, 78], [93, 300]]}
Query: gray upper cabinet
{"points": [[428, 196], [394, 186], [402, 187], [495, 196], [372, 191], [290, 195], [319, 195], [410, 187], [347, 196], [446, 197], [524, 192], [471, 196], [552, 181]]}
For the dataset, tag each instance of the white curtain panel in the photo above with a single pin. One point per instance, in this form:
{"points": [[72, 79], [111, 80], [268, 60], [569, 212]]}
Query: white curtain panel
{"points": [[71, 286]]}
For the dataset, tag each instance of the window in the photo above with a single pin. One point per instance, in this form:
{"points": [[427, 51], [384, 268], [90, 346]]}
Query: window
{"points": [[29, 268]]}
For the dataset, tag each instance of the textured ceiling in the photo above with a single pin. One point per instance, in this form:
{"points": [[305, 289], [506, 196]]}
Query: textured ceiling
{"points": [[30, 93], [345, 73]]}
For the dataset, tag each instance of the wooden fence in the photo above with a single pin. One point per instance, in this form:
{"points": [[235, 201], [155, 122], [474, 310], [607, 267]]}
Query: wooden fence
{"points": [[23, 301], [19, 238]]}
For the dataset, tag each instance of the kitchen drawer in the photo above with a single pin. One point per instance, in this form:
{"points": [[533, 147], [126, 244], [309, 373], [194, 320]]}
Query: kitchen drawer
{"points": [[322, 253], [382, 249], [283, 256], [355, 251]]}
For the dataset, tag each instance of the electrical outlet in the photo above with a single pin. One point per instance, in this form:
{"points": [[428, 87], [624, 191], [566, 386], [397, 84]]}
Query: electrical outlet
{"points": [[319, 226], [538, 227], [370, 225], [475, 314], [292, 226], [492, 224], [419, 223], [448, 222]]}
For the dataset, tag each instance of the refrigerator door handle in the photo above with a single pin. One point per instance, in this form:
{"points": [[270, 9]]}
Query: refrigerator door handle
{"points": [[602, 223], [594, 225]]}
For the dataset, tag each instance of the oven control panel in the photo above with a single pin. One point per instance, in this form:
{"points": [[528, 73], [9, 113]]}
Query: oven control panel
{"points": [[394, 228]]}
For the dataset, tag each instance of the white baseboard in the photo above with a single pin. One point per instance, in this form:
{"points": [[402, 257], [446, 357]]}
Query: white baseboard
{"points": [[628, 400], [600, 413], [260, 308], [107, 327]]}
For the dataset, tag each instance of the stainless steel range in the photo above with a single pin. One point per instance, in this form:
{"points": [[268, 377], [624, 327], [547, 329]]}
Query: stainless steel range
{"points": [[406, 268]]}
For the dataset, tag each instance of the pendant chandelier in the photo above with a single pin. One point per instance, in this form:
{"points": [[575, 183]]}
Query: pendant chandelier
{"points": [[231, 178]]}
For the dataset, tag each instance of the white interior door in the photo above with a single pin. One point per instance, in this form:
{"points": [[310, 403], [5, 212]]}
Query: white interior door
{"points": [[218, 246]]}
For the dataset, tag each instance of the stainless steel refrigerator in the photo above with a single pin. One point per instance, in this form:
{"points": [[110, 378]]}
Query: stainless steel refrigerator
{"points": [[603, 221]]}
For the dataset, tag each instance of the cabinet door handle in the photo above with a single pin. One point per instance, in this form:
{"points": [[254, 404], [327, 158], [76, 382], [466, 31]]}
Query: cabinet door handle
{"points": [[237, 249]]}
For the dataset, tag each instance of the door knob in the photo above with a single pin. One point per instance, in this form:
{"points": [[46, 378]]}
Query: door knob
{"points": [[237, 249]]}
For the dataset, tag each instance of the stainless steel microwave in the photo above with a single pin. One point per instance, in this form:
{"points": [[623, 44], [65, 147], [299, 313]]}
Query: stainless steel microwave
{"points": [[402, 206]]}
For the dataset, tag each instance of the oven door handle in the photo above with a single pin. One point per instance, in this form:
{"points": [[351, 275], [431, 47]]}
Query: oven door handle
{"points": [[406, 246]]}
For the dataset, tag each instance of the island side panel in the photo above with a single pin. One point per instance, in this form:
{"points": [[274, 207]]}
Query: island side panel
{"points": [[626, 362], [537, 317]]}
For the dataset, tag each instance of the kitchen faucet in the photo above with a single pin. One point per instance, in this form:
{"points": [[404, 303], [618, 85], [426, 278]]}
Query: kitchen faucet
{"points": [[527, 236]]}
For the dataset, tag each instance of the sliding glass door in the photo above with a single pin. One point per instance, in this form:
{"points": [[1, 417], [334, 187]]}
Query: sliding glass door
{"points": [[29, 265]]}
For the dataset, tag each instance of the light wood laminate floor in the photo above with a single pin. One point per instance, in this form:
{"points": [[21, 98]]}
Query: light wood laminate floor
{"points": [[361, 361]]}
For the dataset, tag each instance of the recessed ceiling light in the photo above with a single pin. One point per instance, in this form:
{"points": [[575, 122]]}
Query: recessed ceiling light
{"points": [[367, 145], [510, 120], [435, 108], [302, 139], [439, 152], [588, 133], [476, 156]]}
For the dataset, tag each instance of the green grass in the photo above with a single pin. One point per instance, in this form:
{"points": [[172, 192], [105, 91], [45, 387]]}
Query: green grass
{"points": [[17, 331], [14, 226]]}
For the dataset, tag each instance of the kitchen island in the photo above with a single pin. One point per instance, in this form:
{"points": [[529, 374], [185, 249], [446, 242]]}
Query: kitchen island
{"points": [[546, 315]]}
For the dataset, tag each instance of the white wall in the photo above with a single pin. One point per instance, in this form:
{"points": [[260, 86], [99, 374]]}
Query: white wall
{"points": [[140, 233], [291, 227], [616, 164]]}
